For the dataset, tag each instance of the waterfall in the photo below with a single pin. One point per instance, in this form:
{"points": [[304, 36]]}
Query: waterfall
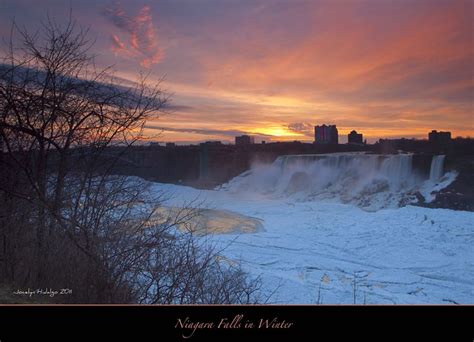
{"points": [[398, 170], [370, 181], [329, 170], [437, 168]]}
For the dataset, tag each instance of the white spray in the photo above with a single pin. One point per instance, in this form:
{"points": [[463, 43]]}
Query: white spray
{"points": [[368, 180]]}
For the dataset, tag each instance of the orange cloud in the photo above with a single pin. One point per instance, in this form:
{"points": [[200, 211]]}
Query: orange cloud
{"points": [[140, 33], [396, 61], [156, 58], [384, 68]]}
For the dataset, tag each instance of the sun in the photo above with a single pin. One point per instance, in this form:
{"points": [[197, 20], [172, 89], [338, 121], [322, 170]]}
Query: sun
{"points": [[276, 131]]}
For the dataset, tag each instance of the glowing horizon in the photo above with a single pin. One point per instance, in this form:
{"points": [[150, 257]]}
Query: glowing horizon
{"points": [[275, 69]]}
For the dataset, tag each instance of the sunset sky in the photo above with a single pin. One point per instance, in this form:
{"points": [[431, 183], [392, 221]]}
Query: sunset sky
{"points": [[276, 68]]}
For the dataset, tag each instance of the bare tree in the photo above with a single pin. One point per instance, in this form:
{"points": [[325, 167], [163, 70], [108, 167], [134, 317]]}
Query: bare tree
{"points": [[66, 218]]}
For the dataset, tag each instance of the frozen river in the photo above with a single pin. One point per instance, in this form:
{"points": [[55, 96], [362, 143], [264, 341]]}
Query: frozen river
{"points": [[317, 251]]}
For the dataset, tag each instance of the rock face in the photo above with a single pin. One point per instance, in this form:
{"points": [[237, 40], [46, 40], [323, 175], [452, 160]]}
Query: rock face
{"points": [[459, 195]]}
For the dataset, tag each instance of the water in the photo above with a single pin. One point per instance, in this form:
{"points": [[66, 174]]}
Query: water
{"points": [[437, 168], [369, 181]]}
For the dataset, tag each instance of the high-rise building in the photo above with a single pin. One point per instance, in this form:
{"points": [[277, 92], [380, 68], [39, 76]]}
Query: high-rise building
{"points": [[439, 137], [244, 140], [355, 138], [326, 134]]}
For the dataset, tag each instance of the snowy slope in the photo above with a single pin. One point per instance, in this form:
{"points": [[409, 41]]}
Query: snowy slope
{"points": [[314, 251]]}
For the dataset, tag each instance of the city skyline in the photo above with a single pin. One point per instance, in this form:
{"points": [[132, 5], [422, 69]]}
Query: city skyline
{"points": [[275, 69], [353, 137]]}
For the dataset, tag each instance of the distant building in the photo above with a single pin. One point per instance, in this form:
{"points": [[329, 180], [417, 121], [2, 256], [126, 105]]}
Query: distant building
{"points": [[439, 137], [170, 144], [244, 140], [211, 143], [394, 145], [326, 134], [355, 138]]}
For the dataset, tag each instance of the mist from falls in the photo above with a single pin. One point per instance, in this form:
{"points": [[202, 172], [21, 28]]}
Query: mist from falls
{"points": [[369, 181]]}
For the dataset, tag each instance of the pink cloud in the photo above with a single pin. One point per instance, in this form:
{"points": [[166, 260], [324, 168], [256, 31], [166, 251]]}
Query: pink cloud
{"points": [[118, 45], [137, 36], [156, 58]]}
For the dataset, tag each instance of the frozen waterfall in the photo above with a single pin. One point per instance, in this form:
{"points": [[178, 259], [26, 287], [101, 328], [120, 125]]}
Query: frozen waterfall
{"points": [[371, 181], [437, 167]]}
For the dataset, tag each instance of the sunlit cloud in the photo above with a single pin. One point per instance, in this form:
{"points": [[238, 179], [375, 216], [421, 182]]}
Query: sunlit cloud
{"points": [[304, 128], [384, 68], [202, 134], [231, 133], [118, 46], [140, 37]]}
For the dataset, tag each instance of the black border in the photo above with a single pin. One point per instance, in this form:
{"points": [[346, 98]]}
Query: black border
{"points": [[310, 322]]}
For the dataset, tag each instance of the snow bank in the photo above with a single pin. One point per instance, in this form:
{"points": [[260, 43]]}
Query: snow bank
{"points": [[315, 251]]}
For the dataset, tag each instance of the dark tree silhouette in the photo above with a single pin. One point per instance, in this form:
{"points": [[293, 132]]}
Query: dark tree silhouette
{"points": [[66, 219]]}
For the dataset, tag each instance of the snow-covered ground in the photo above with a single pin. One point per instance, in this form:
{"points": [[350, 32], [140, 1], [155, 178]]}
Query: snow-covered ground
{"points": [[315, 251]]}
